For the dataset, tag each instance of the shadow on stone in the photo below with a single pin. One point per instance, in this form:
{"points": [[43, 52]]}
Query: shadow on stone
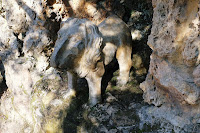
{"points": [[3, 86]]}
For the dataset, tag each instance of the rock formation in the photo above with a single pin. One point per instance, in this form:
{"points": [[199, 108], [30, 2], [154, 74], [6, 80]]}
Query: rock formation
{"points": [[33, 101], [172, 83]]}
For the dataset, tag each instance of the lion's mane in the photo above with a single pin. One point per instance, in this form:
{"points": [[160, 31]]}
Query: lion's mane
{"points": [[87, 52]]}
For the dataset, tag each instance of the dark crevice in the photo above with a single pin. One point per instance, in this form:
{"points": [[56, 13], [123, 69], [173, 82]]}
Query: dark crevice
{"points": [[50, 2], [20, 45], [3, 86]]}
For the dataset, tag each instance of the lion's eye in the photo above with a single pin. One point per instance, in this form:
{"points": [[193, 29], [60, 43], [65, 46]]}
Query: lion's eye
{"points": [[75, 39], [81, 45]]}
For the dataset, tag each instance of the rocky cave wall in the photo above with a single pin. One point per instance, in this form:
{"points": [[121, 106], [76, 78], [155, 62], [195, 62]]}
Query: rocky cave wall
{"points": [[33, 101], [173, 80]]}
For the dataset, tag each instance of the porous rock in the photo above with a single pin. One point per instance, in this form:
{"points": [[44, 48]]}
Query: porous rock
{"points": [[33, 101], [196, 74], [173, 77]]}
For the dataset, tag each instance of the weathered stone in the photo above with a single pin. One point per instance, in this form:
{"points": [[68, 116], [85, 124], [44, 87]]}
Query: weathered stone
{"points": [[173, 78], [8, 41], [36, 40], [23, 11], [33, 101], [196, 74]]}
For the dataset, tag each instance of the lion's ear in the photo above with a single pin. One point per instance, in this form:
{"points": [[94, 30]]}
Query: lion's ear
{"points": [[74, 50], [67, 63]]}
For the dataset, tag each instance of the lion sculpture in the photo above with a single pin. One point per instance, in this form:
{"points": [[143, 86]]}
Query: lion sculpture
{"points": [[84, 49]]}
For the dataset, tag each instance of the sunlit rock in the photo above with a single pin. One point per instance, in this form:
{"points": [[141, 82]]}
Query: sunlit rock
{"points": [[173, 77]]}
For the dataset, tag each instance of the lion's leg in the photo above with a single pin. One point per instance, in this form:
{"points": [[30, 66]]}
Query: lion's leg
{"points": [[94, 82], [123, 56], [72, 82]]}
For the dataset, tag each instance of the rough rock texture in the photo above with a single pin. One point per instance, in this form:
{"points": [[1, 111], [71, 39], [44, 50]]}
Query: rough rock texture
{"points": [[172, 83], [33, 101]]}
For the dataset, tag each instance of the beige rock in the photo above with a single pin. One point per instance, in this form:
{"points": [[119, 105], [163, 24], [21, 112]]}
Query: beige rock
{"points": [[196, 74], [173, 78], [175, 44], [34, 89]]}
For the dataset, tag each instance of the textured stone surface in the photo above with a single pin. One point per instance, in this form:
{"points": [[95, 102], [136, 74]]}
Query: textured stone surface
{"points": [[23, 11], [7, 39], [196, 75], [173, 77], [33, 101]]}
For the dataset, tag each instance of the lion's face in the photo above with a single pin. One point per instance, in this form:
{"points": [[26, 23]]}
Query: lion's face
{"points": [[66, 51], [78, 46]]}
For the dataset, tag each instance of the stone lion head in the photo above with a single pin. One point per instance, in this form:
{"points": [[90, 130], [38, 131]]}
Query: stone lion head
{"points": [[79, 45]]}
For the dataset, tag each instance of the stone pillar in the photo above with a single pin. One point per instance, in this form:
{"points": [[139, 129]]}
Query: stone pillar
{"points": [[174, 74]]}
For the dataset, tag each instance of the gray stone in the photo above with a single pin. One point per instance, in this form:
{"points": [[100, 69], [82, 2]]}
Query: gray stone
{"points": [[172, 82]]}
